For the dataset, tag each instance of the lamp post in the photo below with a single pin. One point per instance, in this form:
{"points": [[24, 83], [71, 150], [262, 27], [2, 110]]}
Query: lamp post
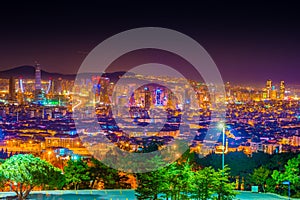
{"points": [[222, 126]]}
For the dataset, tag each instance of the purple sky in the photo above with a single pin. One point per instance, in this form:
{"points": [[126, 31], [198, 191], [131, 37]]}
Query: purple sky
{"points": [[249, 44]]}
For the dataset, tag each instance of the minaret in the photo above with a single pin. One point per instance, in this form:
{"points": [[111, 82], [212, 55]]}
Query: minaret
{"points": [[38, 78]]}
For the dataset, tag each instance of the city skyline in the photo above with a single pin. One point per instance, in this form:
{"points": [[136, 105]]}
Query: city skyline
{"points": [[153, 72]]}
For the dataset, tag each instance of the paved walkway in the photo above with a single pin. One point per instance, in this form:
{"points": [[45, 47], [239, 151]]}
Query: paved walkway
{"points": [[118, 195], [256, 196]]}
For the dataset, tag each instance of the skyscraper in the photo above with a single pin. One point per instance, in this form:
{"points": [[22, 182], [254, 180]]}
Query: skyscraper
{"points": [[269, 84], [39, 93], [104, 84], [12, 89], [38, 78], [147, 98], [269, 88], [158, 94], [282, 90], [170, 100], [273, 94], [57, 86]]}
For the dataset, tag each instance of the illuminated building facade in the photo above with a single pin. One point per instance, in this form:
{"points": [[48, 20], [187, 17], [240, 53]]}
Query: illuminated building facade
{"points": [[282, 90], [268, 88], [158, 94], [273, 93], [38, 77], [147, 98], [12, 89]]}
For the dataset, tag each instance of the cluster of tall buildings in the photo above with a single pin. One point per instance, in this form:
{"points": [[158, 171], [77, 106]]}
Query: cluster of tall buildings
{"points": [[102, 90], [37, 90], [272, 93]]}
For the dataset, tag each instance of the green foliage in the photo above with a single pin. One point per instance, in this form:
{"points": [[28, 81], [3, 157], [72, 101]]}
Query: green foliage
{"points": [[26, 172], [151, 184], [76, 173], [109, 176], [203, 183], [278, 161], [291, 173], [178, 181], [222, 187], [260, 177], [242, 166]]}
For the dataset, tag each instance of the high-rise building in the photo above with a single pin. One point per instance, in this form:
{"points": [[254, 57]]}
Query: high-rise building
{"points": [[268, 88], [171, 100], [282, 90], [228, 90], [12, 89], [39, 93], [158, 93], [57, 86], [147, 98], [104, 93], [38, 77], [273, 94], [269, 84]]}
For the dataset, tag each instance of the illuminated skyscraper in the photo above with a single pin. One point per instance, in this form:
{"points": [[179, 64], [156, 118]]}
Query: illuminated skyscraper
{"points": [[104, 84], [273, 94], [39, 93], [228, 90], [147, 98], [269, 88], [170, 100], [38, 77], [282, 90], [12, 89], [269, 84], [158, 93], [57, 86]]}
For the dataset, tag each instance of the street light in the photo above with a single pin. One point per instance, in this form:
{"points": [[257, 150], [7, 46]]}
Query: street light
{"points": [[222, 126]]}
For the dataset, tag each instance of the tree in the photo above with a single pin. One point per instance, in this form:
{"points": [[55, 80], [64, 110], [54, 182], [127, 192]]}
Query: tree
{"points": [[239, 163], [221, 185], [278, 161], [178, 180], [110, 177], [291, 174], [151, 184], [26, 172], [183, 180], [260, 177], [76, 172], [203, 183]]}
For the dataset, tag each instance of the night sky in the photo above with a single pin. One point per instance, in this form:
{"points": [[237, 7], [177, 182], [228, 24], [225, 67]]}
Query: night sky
{"points": [[249, 42]]}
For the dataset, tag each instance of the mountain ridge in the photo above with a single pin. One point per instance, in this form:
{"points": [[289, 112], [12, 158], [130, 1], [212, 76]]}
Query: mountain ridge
{"points": [[28, 72]]}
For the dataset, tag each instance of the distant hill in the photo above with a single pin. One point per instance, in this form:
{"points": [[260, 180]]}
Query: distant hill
{"points": [[28, 72]]}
